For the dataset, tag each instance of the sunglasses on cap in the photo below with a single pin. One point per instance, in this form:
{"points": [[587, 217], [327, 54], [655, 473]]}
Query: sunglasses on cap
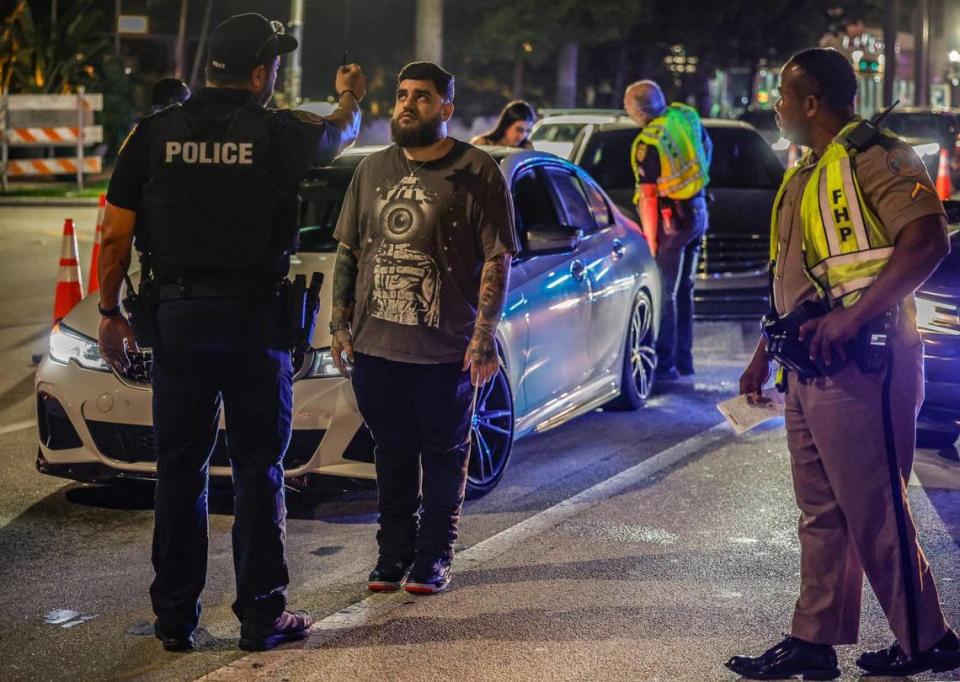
{"points": [[278, 30]]}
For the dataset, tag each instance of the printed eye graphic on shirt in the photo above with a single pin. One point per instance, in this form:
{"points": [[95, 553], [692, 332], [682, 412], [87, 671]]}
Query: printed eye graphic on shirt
{"points": [[406, 281]]}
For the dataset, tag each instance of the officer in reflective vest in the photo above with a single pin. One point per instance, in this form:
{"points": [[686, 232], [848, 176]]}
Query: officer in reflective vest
{"points": [[671, 163], [209, 192], [860, 229]]}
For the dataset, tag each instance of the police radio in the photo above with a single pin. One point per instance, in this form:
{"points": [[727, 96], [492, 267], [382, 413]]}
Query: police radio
{"points": [[866, 132]]}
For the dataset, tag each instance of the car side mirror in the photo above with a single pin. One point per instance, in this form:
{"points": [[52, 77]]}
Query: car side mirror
{"points": [[551, 238], [952, 207]]}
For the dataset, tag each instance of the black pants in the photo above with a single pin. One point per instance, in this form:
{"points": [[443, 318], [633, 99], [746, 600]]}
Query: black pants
{"points": [[419, 416], [677, 255], [215, 352]]}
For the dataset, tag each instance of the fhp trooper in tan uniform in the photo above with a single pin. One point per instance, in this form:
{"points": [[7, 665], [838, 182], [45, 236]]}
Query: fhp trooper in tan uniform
{"points": [[868, 227]]}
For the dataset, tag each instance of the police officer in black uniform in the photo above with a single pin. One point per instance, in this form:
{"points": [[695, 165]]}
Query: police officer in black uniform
{"points": [[208, 191]]}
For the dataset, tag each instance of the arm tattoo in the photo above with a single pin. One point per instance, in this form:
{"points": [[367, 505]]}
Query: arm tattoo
{"points": [[344, 284], [493, 294]]}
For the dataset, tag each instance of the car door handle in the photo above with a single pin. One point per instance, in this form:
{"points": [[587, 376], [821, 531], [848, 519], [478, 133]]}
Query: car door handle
{"points": [[578, 270], [618, 249]]}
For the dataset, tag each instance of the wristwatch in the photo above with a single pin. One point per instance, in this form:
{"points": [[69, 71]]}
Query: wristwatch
{"points": [[339, 327], [110, 312]]}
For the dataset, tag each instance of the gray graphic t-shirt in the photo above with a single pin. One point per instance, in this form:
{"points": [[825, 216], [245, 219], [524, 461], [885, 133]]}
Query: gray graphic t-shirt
{"points": [[423, 233]]}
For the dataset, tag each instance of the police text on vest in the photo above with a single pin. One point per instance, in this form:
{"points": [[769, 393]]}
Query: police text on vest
{"points": [[220, 153]]}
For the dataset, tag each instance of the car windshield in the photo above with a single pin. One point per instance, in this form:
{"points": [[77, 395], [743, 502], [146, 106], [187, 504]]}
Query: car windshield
{"points": [[761, 119], [322, 196], [557, 132], [921, 125], [741, 159]]}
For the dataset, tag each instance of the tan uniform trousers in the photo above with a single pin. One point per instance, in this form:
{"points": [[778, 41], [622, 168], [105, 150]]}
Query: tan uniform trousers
{"points": [[848, 519]]}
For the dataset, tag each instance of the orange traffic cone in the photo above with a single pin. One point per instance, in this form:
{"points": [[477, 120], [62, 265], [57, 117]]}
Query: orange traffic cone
{"points": [[93, 284], [944, 187], [69, 284], [793, 153]]}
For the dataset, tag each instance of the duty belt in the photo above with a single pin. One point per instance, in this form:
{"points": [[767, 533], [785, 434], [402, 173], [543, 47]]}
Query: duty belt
{"points": [[214, 286], [868, 348], [682, 208]]}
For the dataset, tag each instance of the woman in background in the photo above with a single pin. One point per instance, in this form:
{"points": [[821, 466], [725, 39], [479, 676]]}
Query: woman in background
{"points": [[513, 127]]}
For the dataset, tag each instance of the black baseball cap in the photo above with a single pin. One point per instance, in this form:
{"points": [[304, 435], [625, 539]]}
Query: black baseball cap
{"points": [[245, 41]]}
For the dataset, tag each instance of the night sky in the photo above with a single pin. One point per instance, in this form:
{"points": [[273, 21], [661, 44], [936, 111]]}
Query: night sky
{"points": [[378, 33]]}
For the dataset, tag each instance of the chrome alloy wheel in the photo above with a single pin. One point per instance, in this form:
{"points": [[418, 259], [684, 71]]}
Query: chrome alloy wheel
{"points": [[491, 435], [640, 345]]}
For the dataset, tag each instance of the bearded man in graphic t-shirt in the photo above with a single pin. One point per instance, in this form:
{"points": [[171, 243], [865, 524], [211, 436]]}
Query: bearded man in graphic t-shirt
{"points": [[426, 237]]}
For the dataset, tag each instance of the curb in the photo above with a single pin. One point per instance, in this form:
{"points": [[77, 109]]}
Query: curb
{"points": [[49, 201]]}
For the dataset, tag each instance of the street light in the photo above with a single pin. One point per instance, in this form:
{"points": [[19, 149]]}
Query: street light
{"points": [[954, 56]]}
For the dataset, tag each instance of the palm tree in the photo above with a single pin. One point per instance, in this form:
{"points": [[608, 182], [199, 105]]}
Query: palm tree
{"points": [[50, 57]]}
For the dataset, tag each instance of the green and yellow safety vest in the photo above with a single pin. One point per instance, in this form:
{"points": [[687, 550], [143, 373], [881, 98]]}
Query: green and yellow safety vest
{"points": [[678, 136], [845, 246]]}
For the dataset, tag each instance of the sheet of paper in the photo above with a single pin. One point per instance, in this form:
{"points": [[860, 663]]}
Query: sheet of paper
{"points": [[743, 415]]}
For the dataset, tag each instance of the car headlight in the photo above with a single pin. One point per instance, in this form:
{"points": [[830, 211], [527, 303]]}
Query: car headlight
{"points": [[320, 365], [938, 317], [67, 344]]}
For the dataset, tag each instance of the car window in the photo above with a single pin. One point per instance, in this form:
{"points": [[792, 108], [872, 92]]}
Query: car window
{"points": [[741, 159], [922, 125], [597, 203], [556, 132], [572, 198], [322, 198], [607, 158], [532, 201], [761, 119]]}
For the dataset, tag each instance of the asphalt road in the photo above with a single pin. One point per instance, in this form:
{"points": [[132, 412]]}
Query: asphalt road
{"points": [[676, 550]]}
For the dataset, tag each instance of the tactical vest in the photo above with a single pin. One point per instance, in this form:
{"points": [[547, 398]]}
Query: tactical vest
{"points": [[845, 246], [678, 136], [210, 204]]}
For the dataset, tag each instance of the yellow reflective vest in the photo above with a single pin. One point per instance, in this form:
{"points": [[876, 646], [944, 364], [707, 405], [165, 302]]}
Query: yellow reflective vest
{"points": [[845, 246], [678, 136]]}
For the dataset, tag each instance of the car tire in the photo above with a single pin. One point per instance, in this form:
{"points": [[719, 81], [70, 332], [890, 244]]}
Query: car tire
{"points": [[639, 357], [491, 436], [936, 439]]}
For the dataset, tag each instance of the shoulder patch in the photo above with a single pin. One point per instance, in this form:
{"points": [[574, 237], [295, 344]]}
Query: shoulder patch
{"points": [[642, 152], [308, 117], [904, 163]]}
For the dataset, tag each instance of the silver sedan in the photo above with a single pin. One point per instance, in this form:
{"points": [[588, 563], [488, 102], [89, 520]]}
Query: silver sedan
{"points": [[578, 333]]}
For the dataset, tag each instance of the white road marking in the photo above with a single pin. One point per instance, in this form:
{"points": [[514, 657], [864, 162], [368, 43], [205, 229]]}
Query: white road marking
{"points": [[18, 426], [267, 665]]}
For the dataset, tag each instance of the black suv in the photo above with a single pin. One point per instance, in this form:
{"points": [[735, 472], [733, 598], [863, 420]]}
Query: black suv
{"points": [[732, 282]]}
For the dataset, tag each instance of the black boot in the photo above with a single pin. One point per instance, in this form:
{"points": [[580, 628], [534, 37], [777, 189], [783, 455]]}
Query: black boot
{"points": [[388, 575], [893, 661], [790, 657]]}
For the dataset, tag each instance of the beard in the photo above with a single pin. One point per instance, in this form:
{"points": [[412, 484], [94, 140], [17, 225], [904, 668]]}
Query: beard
{"points": [[419, 134]]}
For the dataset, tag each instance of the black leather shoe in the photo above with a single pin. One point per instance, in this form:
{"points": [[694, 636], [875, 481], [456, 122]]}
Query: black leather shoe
{"points": [[893, 661], [177, 643], [667, 375], [790, 657], [289, 627], [388, 575]]}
